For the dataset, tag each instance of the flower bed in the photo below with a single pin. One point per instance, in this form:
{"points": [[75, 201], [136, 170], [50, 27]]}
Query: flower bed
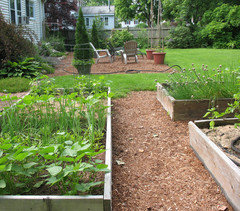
{"points": [[224, 171], [49, 144], [187, 109]]}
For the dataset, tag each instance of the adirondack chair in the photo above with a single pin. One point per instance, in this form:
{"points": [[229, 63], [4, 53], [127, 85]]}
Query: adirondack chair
{"points": [[107, 54], [130, 50]]}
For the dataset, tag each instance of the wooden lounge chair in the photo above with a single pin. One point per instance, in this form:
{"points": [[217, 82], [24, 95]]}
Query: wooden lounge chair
{"points": [[130, 50], [107, 54]]}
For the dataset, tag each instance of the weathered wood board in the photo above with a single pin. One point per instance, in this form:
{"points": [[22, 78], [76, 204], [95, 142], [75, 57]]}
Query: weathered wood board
{"points": [[187, 109], [223, 170]]}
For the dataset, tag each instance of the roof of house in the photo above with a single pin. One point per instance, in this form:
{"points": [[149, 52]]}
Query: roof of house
{"points": [[98, 10]]}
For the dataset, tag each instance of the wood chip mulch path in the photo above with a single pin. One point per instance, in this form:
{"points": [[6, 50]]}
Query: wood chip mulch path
{"points": [[154, 167]]}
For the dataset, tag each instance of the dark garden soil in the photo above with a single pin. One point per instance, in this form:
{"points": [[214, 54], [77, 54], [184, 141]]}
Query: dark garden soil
{"points": [[154, 167]]}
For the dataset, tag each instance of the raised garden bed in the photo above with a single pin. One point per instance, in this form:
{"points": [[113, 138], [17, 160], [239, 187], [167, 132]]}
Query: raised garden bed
{"points": [[225, 172], [70, 203], [187, 109]]}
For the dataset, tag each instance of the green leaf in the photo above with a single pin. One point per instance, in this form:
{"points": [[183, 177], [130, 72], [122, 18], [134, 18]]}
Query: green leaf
{"points": [[54, 170], [2, 184], [84, 187], [29, 165], [5, 146], [2, 167], [38, 184], [22, 156]]}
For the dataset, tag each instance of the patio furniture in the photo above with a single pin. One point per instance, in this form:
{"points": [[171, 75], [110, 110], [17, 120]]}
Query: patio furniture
{"points": [[114, 51], [107, 54], [130, 50]]}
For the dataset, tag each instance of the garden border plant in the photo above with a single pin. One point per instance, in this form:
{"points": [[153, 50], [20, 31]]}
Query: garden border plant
{"points": [[190, 93]]}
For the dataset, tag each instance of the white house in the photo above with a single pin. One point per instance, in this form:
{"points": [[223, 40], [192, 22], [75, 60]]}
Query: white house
{"points": [[131, 23], [105, 13], [25, 12]]}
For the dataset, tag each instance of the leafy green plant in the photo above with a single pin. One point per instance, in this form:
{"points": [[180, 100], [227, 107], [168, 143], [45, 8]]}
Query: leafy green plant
{"points": [[142, 39], [27, 68], [221, 26], [118, 38], [203, 84], [52, 141], [15, 84], [233, 108], [180, 37]]}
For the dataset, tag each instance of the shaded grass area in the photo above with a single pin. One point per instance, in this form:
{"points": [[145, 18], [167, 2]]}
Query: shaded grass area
{"points": [[121, 84], [228, 58], [13, 85]]}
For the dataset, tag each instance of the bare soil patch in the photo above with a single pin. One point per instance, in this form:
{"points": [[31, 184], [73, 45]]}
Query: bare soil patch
{"points": [[222, 136], [158, 169]]}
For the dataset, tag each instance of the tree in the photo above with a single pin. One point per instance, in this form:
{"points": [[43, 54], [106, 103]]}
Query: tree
{"points": [[221, 27], [135, 9], [60, 13], [82, 51], [94, 37]]}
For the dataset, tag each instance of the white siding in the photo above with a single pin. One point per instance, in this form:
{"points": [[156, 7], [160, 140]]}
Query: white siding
{"points": [[36, 23], [4, 7], [92, 17]]}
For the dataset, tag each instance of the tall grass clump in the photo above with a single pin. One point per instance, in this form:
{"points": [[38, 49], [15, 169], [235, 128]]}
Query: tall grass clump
{"points": [[50, 141], [203, 83]]}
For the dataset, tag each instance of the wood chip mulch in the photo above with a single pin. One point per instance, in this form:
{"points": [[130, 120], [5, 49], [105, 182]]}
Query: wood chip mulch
{"points": [[154, 167]]}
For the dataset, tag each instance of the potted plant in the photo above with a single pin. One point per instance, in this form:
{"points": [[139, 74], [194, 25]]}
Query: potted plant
{"points": [[150, 53], [82, 50], [159, 56]]}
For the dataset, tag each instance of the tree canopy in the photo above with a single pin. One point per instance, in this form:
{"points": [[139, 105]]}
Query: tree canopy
{"points": [[60, 13], [136, 9]]}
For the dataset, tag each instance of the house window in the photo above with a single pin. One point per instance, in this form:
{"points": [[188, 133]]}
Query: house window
{"points": [[135, 21], [106, 21], [15, 10], [127, 22], [30, 8], [87, 21]]}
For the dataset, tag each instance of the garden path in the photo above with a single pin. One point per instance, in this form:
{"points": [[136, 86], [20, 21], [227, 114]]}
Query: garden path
{"points": [[157, 170]]}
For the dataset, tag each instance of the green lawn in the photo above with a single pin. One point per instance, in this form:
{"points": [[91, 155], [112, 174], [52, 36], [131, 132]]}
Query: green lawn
{"points": [[121, 84], [228, 58]]}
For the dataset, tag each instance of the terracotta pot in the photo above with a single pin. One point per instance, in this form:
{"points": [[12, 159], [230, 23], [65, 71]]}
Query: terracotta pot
{"points": [[149, 54], [159, 57]]}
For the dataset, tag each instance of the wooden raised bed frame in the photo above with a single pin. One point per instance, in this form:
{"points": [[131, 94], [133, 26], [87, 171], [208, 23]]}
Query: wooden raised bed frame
{"points": [[223, 170], [187, 109], [69, 203]]}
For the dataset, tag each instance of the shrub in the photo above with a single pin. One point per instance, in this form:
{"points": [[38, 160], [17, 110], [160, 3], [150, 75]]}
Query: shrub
{"points": [[81, 49], [27, 68], [142, 25], [142, 39], [222, 26], [13, 42], [15, 84], [57, 43], [94, 37], [180, 37], [118, 38]]}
